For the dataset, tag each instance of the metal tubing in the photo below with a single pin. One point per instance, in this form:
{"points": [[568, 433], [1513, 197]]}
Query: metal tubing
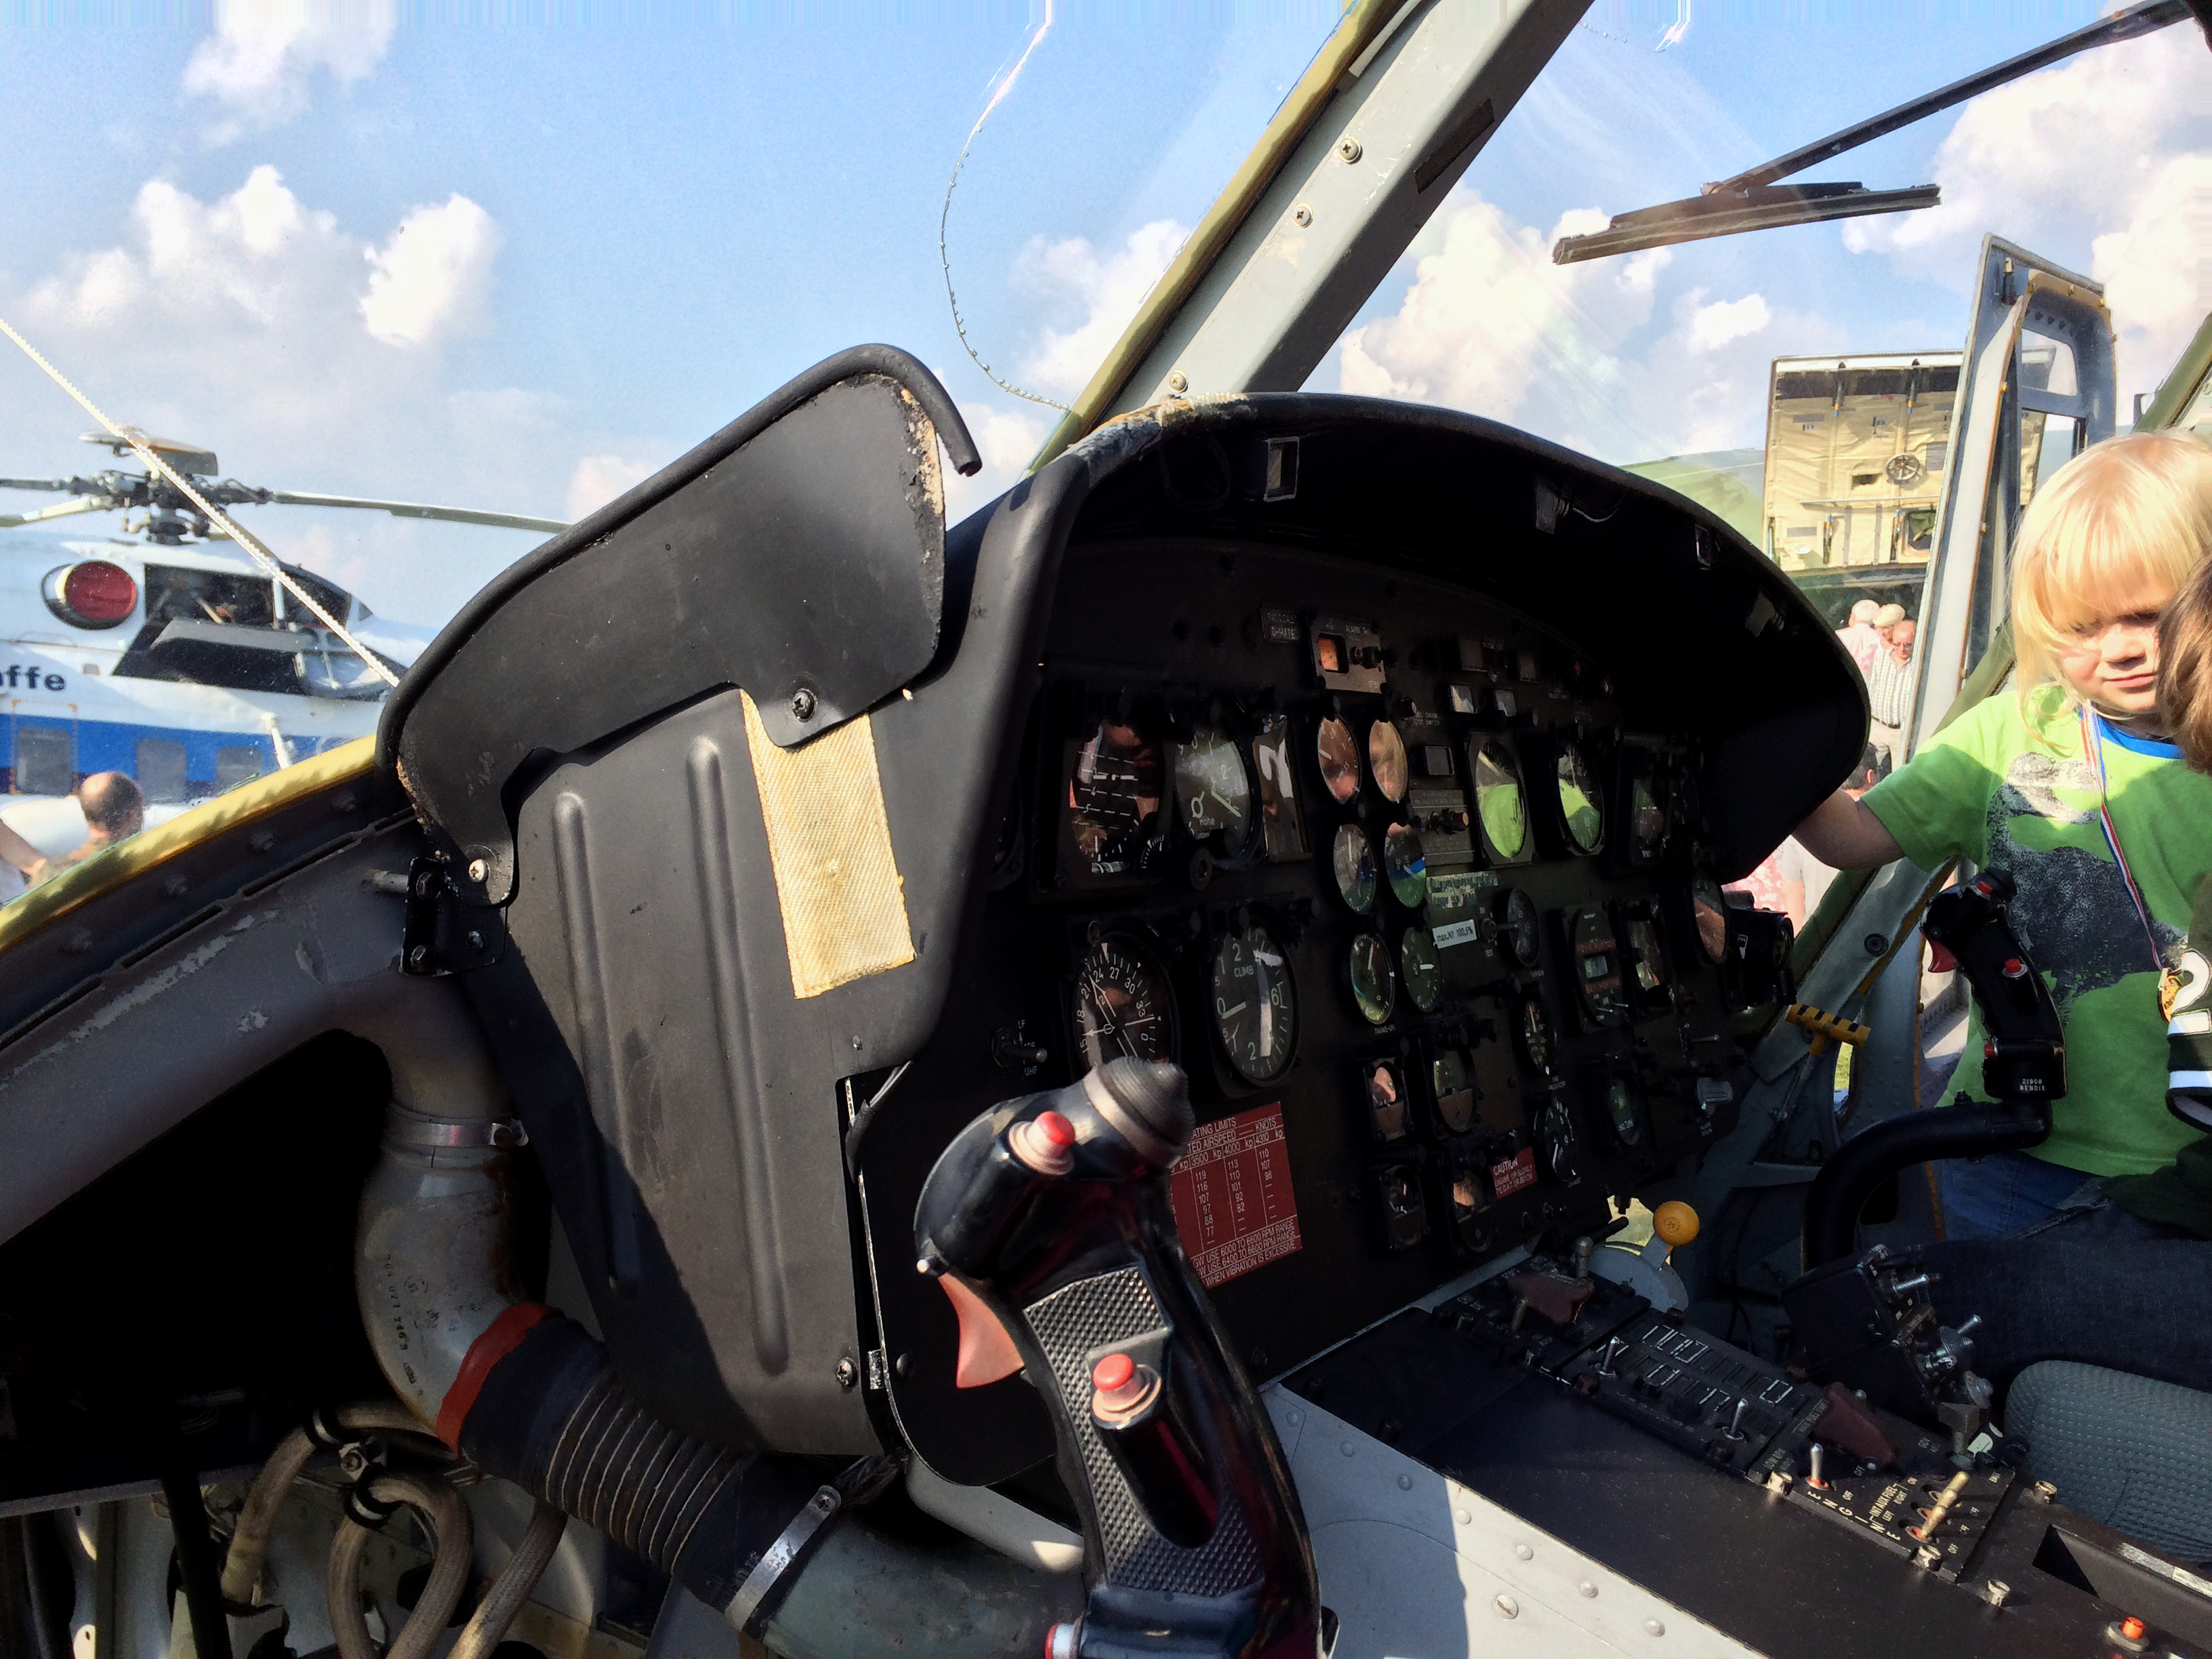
{"points": [[249, 1539], [488, 1626], [453, 1546], [431, 1262]]}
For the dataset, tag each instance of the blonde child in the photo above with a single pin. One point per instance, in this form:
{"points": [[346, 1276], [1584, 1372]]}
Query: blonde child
{"points": [[2073, 785]]}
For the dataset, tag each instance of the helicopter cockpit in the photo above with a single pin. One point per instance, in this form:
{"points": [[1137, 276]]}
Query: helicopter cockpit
{"points": [[1177, 1064]]}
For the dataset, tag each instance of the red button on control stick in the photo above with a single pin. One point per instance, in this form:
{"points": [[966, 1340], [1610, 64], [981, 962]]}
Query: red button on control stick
{"points": [[1046, 1143], [1114, 1371]]}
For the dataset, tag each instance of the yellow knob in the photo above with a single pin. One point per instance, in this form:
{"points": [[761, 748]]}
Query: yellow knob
{"points": [[1676, 1222]]}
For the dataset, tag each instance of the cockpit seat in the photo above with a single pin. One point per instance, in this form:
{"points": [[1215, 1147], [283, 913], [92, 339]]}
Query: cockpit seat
{"points": [[2131, 1452]]}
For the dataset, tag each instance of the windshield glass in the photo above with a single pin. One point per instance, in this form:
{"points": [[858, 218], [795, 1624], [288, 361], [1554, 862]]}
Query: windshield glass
{"points": [[508, 268], [514, 269], [1800, 380]]}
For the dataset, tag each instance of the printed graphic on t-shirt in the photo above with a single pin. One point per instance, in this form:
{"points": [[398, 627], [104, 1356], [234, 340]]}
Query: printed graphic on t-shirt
{"points": [[2073, 912]]}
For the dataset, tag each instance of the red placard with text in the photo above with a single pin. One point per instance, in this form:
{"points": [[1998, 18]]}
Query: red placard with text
{"points": [[1515, 1173], [1231, 1191]]}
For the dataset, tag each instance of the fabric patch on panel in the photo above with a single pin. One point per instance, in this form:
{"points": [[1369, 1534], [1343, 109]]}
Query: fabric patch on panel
{"points": [[829, 841]]}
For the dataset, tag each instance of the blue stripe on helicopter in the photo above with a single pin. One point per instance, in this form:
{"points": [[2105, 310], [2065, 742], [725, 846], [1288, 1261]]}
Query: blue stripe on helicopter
{"points": [[113, 746]]}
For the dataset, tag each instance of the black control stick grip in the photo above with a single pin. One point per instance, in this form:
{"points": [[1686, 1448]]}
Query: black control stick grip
{"points": [[2023, 1066], [2025, 1056], [1048, 1221]]}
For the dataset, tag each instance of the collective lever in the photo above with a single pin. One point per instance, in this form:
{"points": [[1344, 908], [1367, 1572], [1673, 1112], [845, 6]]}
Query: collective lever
{"points": [[1046, 1222]]}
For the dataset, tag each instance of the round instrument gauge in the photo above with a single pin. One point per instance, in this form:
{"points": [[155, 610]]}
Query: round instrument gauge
{"points": [[1405, 865], [1353, 858], [1416, 960], [1213, 787], [1534, 1032], [1374, 979], [1112, 796], [1499, 807], [1516, 927], [1555, 1143], [1647, 820], [1386, 758], [1256, 1004], [1123, 1004], [1339, 754], [1620, 1108], [1709, 909], [1579, 800]]}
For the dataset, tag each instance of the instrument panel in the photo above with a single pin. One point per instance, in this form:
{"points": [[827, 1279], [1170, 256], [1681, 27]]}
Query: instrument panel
{"points": [[1400, 878]]}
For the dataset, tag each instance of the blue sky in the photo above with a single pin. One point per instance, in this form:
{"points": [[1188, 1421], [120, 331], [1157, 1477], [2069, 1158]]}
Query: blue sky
{"points": [[517, 265]]}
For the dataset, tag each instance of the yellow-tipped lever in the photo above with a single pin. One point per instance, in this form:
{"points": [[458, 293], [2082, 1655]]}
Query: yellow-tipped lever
{"points": [[1824, 1026]]}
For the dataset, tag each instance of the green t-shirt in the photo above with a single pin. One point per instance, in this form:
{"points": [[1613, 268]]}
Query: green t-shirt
{"points": [[2017, 794]]}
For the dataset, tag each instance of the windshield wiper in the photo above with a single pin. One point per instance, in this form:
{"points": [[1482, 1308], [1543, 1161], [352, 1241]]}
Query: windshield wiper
{"points": [[1751, 200]]}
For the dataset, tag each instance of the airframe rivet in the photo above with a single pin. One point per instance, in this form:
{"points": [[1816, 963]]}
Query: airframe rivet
{"points": [[1350, 149], [1302, 214], [848, 1374], [479, 869], [802, 704], [1507, 1607], [1178, 382], [1653, 1627]]}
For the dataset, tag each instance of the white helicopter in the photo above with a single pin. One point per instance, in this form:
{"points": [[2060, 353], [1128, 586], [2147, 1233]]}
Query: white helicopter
{"points": [[174, 658]]}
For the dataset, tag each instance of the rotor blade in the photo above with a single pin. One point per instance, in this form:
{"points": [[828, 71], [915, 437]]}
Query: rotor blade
{"points": [[34, 483], [2141, 18], [58, 510], [1763, 209], [415, 510]]}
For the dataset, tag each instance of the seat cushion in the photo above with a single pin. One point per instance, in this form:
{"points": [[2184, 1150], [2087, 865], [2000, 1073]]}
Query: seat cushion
{"points": [[2132, 1453]]}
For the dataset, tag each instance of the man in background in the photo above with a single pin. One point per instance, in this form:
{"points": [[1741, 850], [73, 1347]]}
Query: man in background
{"points": [[1858, 635], [113, 810], [1889, 688]]}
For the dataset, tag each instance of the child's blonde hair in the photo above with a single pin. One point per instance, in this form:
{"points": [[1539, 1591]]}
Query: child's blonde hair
{"points": [[2117, 531]]}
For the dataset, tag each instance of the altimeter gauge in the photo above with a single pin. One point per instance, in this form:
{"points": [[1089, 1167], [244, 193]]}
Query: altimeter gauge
{"points": [[1256, 1004], [1124, 1007], [1213, 788]]}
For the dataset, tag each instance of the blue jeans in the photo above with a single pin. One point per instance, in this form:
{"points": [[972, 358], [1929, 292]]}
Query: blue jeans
{"points": [[1994, 1195], [2088, 1282]]}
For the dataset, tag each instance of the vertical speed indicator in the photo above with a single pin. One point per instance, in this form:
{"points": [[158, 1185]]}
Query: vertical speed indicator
{"points": [[1256, 1004]]}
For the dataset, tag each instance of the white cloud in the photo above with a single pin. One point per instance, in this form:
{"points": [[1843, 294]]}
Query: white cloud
{"points": [[244, 322], [1102, 291], [264, 54], [598, 479], [1713, 326], [1007, 439], [432, 276], [2094, 163], [1578, 352]]}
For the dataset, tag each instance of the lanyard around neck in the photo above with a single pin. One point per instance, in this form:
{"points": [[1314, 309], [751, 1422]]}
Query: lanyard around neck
{"points": [[2093, 745]]}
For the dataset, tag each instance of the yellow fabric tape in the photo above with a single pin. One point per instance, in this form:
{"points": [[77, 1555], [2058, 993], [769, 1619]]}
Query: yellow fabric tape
{"points": [[836, 880]]}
